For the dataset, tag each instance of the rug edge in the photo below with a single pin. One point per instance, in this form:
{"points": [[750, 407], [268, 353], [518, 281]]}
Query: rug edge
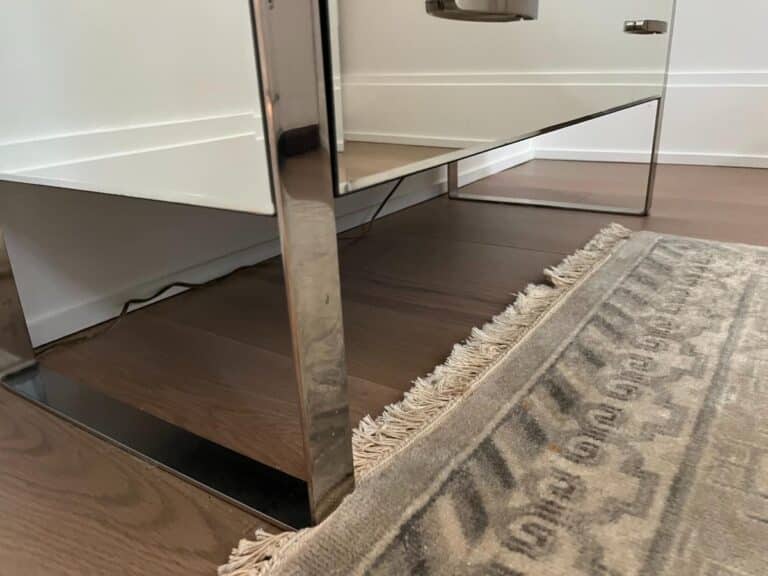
{"points": [[432, 397], [377, 441]]}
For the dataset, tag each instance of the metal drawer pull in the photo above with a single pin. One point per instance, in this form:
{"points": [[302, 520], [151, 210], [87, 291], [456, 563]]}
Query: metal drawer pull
{"points": [[484, 10], [645, 27]]}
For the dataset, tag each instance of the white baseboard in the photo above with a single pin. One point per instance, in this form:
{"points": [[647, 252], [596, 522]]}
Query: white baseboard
{"points": [[517, 154], [82, 146], [709, 159], [587, 155], [687, 158]]}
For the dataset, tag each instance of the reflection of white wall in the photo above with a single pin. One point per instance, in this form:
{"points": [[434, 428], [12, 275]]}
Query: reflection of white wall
{"points": [[412, 78], [128, 96], [398, 37], [716, 107]]}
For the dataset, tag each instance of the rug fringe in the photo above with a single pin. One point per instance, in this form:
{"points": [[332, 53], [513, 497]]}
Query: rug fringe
{"points": [[375, 441], [256, 557]]}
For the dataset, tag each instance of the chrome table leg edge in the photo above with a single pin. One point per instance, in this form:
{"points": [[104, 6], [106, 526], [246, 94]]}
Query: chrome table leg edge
{"points": [[600, 208], [303, 187]]}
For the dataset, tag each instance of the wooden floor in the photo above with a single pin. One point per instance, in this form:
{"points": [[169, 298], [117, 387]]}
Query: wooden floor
{"points": [[217, 361]]}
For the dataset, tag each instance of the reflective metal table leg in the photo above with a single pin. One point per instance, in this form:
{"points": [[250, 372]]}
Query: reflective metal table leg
{"points": [[279, 498], [298, 131], [455, 191]]}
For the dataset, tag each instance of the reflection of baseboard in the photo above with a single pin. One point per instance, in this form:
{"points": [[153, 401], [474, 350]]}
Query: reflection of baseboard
{"points": [[688, 158], [413, 139], [86, 145], [699, 159], [473, 170], [588, 155]]}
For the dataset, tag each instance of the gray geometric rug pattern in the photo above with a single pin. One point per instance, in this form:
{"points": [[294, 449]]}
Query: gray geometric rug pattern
{"points": [[627, 434]]}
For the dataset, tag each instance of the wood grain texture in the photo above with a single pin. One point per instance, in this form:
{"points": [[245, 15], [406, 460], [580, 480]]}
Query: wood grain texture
{"points": [[217, 361], [71, 504]]}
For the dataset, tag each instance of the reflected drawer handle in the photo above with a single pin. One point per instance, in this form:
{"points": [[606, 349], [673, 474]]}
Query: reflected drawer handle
{"points": [[645, 27], [484, 10]]}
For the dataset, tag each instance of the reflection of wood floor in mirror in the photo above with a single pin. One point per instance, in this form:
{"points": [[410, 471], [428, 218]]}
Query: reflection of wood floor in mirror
{"points": [[361, 159], [615, 184], [218, 361]]}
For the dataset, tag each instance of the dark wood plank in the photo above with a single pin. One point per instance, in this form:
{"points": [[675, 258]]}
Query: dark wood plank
{"points": [[72, 505], [235, 394]]}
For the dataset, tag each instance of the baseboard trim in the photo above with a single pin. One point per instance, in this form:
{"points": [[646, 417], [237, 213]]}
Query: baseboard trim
{"points": [[665, 157], [413, 139], [82, 146]]}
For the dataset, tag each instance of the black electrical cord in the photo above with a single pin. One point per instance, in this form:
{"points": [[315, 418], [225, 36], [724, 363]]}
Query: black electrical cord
{"points": [[369, 226], [111, 324]]}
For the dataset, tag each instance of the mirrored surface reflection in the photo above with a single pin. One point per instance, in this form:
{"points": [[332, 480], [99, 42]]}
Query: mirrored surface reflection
{"points": [[415, 89], [587, 165], [156, 100]]}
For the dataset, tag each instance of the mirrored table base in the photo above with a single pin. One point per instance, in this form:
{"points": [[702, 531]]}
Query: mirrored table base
{"points": [[279, 498]]}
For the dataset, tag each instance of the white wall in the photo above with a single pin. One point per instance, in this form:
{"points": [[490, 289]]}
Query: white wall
{"points": [[717, 112], [717, 105]]}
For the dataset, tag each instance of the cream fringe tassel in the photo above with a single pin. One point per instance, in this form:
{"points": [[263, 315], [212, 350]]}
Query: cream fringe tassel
{"points": [[374, 442]]}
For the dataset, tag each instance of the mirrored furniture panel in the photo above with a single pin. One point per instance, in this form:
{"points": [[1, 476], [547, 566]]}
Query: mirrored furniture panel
{"points": [[422, 83], [156, 100]]}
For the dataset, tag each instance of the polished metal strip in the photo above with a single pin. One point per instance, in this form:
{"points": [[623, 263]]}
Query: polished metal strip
{"points": [[287, 37], [271, 494], [458, 195], [15, 345]]}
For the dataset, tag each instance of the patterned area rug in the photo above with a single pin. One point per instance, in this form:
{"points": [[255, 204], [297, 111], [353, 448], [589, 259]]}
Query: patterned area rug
{"points": [[613, 423]]}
